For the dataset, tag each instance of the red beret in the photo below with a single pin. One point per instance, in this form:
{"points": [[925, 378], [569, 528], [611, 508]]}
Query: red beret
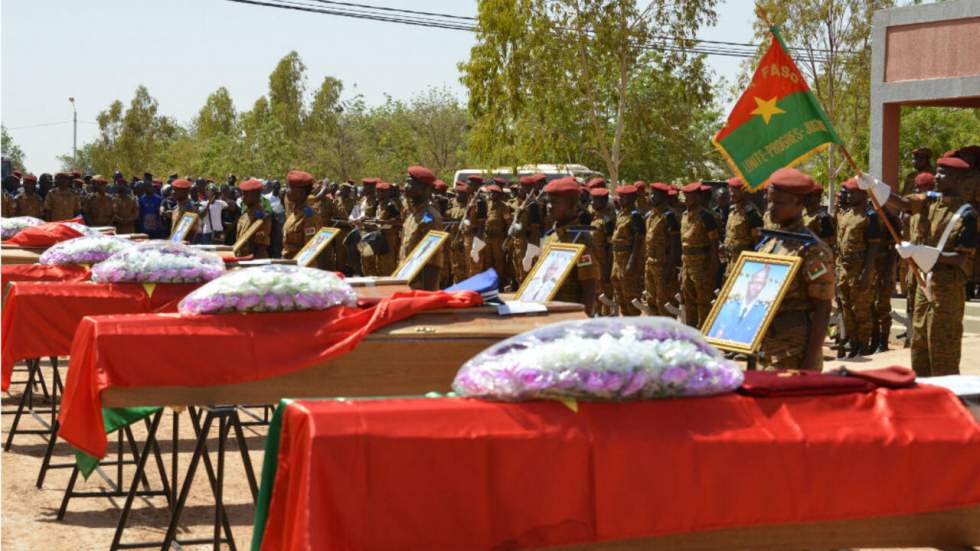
{"points": [[526, 180], [922, 151], [16, 174], [99, 179], [370, 181], [596, 182], [566, 185], [440, 185], [299, 178], [626, 190], [736, 183], [599, 192], [693, 187], [816, 188], [62, 176], [538, 178], [953, 162], [925, 180], [157, 183], [181, 183], [76, 174], [383, 185], [792, 181], [461, 186], [475, 178], [422, 174], [250, 185], [30, 178], [492, 187], [851, 184], [673, 191], [660, 186], [950, 153], [640, 184], [705, 187]]}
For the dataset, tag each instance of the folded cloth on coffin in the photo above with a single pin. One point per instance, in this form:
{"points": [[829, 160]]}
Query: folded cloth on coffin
{"points": [[215, 349], [40, 318]]}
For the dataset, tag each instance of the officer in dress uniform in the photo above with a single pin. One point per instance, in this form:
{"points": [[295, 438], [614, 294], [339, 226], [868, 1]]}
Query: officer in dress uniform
{"points": [[389, 222], [302, 222], [419, 219], [921, 162], [519, 231], [816, 218], [796, 334], [580, 285], [949, 239], [663, 250], [369, 209], [924, 183], [627, 252], [258, 244], [499, 216], [99, 207], [858, 240], [699, 254], [126, 209], [742, 225], [883, 286], [62, 203], [28, 202], [182, 204], [458, 252], [603, 223], [642, 197]]}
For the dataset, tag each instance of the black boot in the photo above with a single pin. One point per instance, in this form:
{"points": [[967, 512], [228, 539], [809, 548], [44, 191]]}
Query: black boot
{"points": [[886, 330], [875, 339], [855, 350]]}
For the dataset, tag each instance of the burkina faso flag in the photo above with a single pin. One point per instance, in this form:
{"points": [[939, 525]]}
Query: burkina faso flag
{"points": [[776, 123]]}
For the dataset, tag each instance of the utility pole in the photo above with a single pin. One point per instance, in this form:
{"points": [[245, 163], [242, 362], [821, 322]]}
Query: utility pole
{"points": [[74, 134]]}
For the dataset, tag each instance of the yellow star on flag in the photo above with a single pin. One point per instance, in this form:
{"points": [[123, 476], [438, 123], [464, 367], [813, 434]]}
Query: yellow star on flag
{"points": [[766, 108]]}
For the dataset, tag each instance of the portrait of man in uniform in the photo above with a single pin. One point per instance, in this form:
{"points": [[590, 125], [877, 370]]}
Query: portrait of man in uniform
{"points": [[548, 274]]}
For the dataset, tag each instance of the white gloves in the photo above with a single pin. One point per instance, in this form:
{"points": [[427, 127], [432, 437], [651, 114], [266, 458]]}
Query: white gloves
{"points": [[880, 190], [924, 257]]}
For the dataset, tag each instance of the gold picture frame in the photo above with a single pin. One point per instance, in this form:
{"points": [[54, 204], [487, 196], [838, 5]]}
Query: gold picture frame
{"points": [[555, 257], [738, 325], [187, 221], [315, 246], [246, 236], [429, 245]]}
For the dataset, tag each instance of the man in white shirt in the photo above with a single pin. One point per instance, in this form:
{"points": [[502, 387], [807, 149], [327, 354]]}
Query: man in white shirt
{"points": [[212, 230]]}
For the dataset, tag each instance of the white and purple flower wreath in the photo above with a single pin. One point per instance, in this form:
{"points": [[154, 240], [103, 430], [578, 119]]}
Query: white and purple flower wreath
{"points": [[600, 359], [159, 262], [87, 249], [273, 288], [9, 227]]}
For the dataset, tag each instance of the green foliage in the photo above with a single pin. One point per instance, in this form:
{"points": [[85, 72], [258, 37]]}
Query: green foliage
{"points": [[938, 128], [331, 135], [574, 81], [11, 151]]}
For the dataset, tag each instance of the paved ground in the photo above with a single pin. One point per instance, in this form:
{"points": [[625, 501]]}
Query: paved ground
{"points": [[29, 522]]}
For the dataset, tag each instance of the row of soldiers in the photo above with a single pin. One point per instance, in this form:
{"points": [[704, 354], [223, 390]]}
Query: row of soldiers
{"points": [[23, 197]]}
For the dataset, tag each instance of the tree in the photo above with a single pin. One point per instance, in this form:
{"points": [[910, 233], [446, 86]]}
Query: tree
{"points": [[11, 151], [287, 83], [939, 128], [558, 78], [217, 117]]}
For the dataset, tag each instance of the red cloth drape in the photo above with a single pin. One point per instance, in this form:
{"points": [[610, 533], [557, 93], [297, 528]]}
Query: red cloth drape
{"points": [[447, 474], [45, 235], [208, 350], [42, 272], [39, 319]]}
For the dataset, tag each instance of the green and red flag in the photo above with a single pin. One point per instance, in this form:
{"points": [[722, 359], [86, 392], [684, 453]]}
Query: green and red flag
{"points": [[776, 123]]}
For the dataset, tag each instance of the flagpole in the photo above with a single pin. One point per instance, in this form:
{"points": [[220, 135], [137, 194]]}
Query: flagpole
{"points": [[884, 218]]}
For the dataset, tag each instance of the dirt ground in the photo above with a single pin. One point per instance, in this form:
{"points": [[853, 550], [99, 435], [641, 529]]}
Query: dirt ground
{"points": [[29, 514]]}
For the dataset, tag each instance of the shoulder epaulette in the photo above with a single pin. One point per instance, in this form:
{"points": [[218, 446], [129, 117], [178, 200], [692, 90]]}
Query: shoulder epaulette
{"points": [[807, 239]]}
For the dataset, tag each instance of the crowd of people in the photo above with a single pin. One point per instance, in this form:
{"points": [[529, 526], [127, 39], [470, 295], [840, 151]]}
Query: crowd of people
{"points": [[650, 248]]}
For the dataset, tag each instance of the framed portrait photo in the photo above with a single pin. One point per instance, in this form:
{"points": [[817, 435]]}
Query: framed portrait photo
{"points": [[749, 300], [549, 272], [184, 226], [311, 251], [420, 255]]}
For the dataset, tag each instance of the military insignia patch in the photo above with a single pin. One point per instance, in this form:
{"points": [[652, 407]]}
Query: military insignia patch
{"points": [[815, 270], [585, 261], [309, 231]]}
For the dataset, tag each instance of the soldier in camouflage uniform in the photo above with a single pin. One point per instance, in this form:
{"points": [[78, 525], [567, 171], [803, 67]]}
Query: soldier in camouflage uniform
{"points": [[642, 197], [858, 239], [663, 250], [627, 252], [389, 220], [418, 220], [817, 219], [603, 223], [369, 210], [302, 222], [28, 202], [949, 236], [126, 211], [258, 244], [883, 286], [498, 221], [743, 226], [699, 254], [100, 207], [580, 285], [457, 243], [796, 334], [61, 203], [924, 182]]}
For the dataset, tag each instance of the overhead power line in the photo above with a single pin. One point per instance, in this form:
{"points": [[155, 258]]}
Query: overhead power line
{"points": [[43, 124], [468, 23]]}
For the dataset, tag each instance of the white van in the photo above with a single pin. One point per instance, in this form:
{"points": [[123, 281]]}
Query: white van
{"points": [[553, 172]]}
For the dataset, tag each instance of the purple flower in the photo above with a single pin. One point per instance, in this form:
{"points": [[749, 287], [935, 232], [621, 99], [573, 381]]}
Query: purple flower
{"points": [[675, 375]]}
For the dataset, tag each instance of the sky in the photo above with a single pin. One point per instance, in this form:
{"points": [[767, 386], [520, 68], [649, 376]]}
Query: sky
{"points": [[182, 50]]}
